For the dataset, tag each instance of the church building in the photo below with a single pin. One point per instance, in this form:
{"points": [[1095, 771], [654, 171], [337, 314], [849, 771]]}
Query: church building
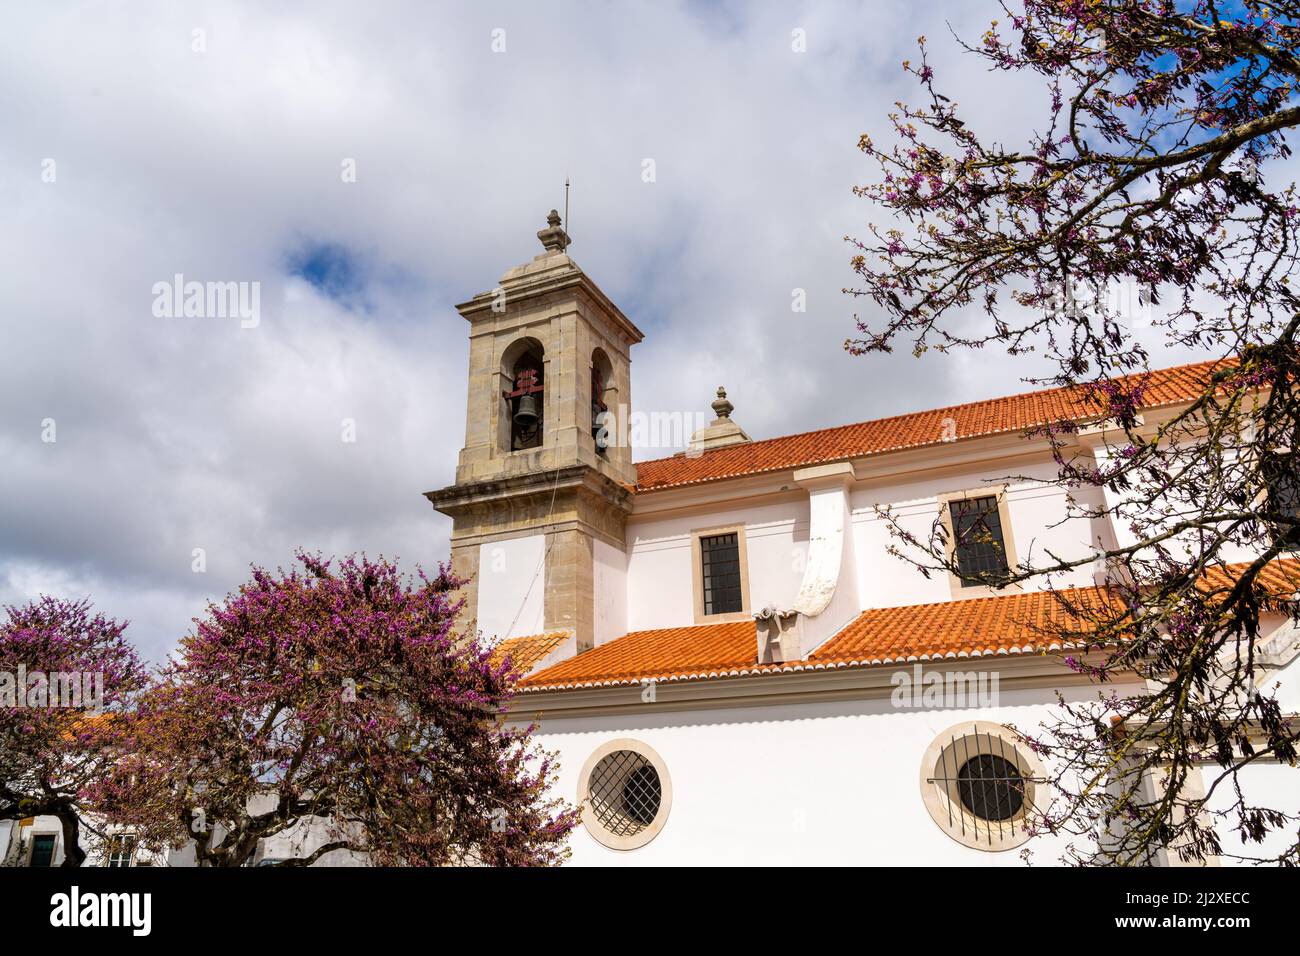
{"points": [[720, 646]]}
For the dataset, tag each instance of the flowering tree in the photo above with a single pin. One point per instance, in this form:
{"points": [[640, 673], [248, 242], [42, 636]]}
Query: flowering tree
{"points": [[337, 708], [66, 675], [1143, 200]]}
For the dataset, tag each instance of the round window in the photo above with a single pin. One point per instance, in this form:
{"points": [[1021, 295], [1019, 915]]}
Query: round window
{"points": [[625, 794], [991, 787], [980, 783]]}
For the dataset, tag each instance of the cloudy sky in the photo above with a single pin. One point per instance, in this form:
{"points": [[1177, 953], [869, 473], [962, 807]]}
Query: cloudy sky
{"points": [[215, 140]]}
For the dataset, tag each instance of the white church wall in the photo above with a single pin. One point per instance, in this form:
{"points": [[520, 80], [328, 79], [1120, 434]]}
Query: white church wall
{"points": [[828, 596], [777, 542], [883, 579], [609, 591], [511, 587], [661, 578], [1271, 785], [814, 783], [1132, 498], [1283, 641], [1036, 511]]}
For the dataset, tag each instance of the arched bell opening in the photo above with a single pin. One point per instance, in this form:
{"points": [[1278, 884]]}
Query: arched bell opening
{"points": [[523, 369], [603, 399]]}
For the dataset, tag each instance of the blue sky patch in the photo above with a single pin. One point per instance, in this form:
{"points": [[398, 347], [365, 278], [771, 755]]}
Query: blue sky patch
{"points": [[333, 269]]}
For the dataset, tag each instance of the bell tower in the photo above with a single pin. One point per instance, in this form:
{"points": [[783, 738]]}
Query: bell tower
{"points": [[541, 497]]}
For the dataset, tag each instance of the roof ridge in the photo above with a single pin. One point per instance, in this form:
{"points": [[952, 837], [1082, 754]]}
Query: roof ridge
{"points": [[933, 411]]}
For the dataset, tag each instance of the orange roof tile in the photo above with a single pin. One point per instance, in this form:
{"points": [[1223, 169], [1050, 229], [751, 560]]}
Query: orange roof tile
{"points": [[1027, 622], [1280, 579], [1010, 623], [645, 655], [525, 653], [973, 628], [1014, 413]]}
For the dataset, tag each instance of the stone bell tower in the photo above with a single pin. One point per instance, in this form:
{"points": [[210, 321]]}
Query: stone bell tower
{"points": [[542, 487]]}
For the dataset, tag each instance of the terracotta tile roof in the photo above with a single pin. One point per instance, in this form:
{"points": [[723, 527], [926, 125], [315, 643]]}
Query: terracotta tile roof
{"points": [[1018, 623], [1280, 579], [680, 652], [525, 653], [1005, 624], [973, 628], [1014, 413]]}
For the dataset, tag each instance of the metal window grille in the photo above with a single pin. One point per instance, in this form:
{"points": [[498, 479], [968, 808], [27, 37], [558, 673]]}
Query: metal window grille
{"points": [[1283, 479], [991, 787], [980, 550], [625, 792], [720, 557], [982, 777]]}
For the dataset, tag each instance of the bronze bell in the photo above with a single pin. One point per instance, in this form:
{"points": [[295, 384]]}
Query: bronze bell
{"points": [[528, 412]]}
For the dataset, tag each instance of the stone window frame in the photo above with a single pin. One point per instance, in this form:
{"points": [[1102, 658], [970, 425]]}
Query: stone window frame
{"points": [[945, 807], [958, 590], [38, 830], [599, 833], [697, 574], [124, 846], [1264, 498]]}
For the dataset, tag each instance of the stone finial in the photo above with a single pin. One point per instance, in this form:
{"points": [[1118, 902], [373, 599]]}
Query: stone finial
{"points": [[554, 238], [721, 407], [723, 431]]}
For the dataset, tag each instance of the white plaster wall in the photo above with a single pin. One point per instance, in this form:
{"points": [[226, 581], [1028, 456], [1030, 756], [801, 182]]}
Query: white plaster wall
{"points": [[1272, 785], [1287, 677], [814, 784], [1184, 546], [609, 573], [13, 837], [661, 577], [16, 840], [829, 594], [1036, 511], [511, 587]]}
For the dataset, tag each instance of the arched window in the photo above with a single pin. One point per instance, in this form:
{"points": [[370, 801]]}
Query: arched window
{"points": [[602, 376], [523, 366]]}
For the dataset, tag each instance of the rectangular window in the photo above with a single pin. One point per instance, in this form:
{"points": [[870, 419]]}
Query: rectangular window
{"points": [[43, 850], [720, 572], [120, 850], [978, 544], [1281, 473]]}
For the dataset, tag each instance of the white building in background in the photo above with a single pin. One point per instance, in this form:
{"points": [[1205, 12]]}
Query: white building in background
{"points": [[719, 643], [39, 842]]}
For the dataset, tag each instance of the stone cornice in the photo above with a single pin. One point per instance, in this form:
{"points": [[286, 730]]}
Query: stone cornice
{"points": [[458, 497], [547, 282], [797, 687]]}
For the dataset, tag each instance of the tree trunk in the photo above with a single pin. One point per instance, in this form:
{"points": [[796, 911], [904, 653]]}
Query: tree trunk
{"points": [[73, 854]]}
